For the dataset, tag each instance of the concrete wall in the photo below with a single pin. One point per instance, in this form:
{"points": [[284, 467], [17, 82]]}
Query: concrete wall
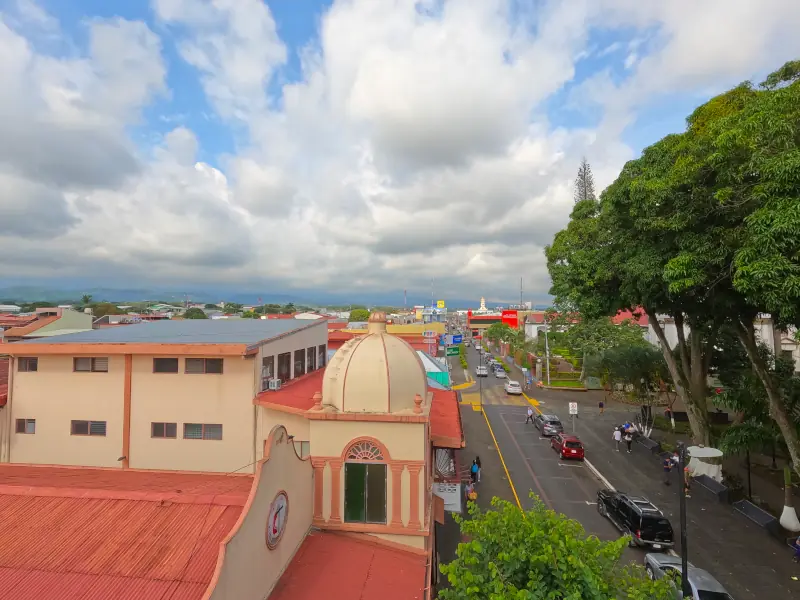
{"points": [[316, 335], [296, 425], [70, 319], [181, 398], [248, 569], [54, 396]]}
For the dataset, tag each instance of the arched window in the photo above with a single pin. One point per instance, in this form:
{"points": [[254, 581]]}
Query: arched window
{"points": [[365, 483]]}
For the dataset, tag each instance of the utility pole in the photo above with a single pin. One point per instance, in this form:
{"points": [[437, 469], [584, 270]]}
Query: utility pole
{"points": [[546, 349], [520, 293], [685, 587]]}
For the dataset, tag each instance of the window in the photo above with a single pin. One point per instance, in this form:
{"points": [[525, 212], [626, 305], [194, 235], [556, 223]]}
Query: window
{"points": [[311, 356], [26, 425], [196, 366], [365, 493], [165, 365], [267, 371], [299, 363], [27, 364], [88, 428], [303, 449], [202, 431], [322, 355], [90, 365], [285, 366], [164, 430], [364, 484]]}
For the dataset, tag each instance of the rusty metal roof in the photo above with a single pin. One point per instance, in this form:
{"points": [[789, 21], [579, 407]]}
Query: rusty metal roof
{"points": [[76, 533]]}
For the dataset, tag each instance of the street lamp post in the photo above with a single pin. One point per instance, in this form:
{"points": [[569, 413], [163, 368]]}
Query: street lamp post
{"points": [[546, 350], [685, 587]]}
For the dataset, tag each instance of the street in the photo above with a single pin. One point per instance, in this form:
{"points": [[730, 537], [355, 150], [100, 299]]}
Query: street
{"points": [[745, 559]]}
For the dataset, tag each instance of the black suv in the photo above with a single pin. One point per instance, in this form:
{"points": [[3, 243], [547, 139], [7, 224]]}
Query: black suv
{"points": [[637, 517]]}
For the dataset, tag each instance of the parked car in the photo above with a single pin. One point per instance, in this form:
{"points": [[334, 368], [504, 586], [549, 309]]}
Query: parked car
{"points": [[637, 517], [513, 387], [499, 373], [481, 372], [567, 446], [704, 584], [548, 424]]}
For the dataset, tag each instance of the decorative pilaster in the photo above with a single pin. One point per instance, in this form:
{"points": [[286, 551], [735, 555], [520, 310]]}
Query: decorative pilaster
{"points": [[319, 485], [336, 490], [413, 519], [397, 495]]}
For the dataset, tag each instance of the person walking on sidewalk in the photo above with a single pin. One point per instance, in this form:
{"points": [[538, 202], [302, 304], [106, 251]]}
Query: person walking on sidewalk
{"points": [[530, 416], [617, 437], [628, 440], [473, 472], [602, 406], [478, 462], [667, 469]]}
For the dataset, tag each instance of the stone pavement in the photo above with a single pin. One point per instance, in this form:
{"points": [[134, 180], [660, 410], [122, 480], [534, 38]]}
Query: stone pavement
{"points": [[746, 560]]}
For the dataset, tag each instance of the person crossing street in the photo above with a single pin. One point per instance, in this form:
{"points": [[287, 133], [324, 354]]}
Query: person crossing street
{"points": [[530, 416]]}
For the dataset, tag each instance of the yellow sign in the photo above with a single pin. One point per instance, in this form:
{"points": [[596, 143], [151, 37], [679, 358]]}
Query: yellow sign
{"points": [[440, 304]]}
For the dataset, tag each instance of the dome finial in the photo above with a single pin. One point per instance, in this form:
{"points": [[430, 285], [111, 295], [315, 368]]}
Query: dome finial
{"points": [[417, 403], [317, 397], [377, 322]]}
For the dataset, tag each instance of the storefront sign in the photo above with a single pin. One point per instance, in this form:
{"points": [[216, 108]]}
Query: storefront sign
{"points": [[510, 318], [451, 494]]}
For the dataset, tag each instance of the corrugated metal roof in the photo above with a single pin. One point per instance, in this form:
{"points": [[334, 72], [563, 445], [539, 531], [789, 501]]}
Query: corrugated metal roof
{"points": [[70, 547], [186, 331]]}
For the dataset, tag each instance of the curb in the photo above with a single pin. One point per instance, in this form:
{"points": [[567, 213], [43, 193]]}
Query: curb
{"points": [[599, 475]]}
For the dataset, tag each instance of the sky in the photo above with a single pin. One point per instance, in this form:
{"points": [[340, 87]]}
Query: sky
{"points": [[347, 146]]}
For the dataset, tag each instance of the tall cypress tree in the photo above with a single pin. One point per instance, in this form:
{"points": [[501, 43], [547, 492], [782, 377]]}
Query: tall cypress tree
{"points": [[584, 183]]}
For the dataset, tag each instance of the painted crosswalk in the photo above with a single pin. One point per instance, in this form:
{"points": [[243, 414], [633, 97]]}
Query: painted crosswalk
{"points": [[494, 396]]}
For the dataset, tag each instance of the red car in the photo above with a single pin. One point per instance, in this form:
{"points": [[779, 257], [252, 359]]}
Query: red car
{"points": [[567, 446]]}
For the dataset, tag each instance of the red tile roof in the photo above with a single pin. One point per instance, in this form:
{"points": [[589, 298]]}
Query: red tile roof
{"points": [[446, 429], [638, 316], [339, 567], [76, 533], [31, 327], [16, 320], [337, 325], [295, 393]]}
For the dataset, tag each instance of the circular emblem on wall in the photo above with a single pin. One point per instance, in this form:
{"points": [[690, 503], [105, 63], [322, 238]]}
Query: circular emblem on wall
{"points": [[276, 521]]}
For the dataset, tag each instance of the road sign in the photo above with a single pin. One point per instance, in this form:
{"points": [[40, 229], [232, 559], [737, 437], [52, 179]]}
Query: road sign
{"points": [[573, 408], [452, 351], [457, 339]]}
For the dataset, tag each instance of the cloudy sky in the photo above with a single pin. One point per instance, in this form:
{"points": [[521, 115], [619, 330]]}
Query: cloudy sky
{"points": [[352, 145]]}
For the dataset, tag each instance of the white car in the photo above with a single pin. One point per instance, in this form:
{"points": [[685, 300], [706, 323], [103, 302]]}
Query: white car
{"points": [[513, 387], [481, 372], [500, 373]]}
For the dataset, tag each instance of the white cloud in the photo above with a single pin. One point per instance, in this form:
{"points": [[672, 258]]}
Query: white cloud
{"points": [[414, 144]]}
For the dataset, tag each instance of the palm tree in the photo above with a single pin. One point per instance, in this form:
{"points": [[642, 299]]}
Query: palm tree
{"points": [[86, 299]]}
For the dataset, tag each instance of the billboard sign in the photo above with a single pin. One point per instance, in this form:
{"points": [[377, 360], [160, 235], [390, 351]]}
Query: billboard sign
{"points": [[429, 334], [440, 304], [510, 318], [457, 339]]}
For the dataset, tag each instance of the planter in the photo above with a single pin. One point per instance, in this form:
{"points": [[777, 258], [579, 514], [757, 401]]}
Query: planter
{"points": [[565, 389], [758, 516], [713, 486], [653, 446]]}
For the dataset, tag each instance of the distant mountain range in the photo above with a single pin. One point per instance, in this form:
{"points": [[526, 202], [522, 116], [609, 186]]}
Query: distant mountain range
{"points": [[34, 293]]}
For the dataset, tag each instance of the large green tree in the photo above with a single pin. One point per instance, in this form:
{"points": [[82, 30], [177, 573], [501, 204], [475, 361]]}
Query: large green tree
{"points": [[195, 313], [358, 315], [541, 554]]}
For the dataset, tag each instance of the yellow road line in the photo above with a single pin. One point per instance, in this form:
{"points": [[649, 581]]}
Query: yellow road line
{"points": [[502, 461], [464, 386], [533, 402]]}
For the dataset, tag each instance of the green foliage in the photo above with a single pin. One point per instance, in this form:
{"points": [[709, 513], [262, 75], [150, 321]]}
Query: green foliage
{"points": [[631, 364], [499, 332], [29, 307], [211, 307], [102, 309], [358, 315], [86, 299], [231, 307], [540, 554], [194, 313], [588, 337], [249, 314], [288, 309]]}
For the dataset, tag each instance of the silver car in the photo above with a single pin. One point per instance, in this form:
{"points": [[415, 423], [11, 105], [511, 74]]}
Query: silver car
{"points": [[704, 585]]}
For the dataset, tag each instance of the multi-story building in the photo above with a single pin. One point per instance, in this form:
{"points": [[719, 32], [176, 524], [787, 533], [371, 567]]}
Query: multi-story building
{"points": [[165, 395]]}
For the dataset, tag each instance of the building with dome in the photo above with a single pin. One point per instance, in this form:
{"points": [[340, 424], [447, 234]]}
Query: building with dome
{"points": [[320, 486]]}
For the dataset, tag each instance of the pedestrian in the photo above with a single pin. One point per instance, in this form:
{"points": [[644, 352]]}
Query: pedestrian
{"points": [[473, 472], [470, 491], [478, 462], [667, 469], [530, 415], [617, 437], [628, 440], [602, 406]]}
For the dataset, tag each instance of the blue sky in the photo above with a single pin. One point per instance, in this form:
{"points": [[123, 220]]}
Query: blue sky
{"points": [[416, 140]]}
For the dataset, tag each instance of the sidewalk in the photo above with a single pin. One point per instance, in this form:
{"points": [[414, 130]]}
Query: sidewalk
{"points": [[746, 560]]}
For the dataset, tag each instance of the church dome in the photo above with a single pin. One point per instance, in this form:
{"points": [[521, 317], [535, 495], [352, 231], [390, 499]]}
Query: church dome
{"points": [[375, 373]]}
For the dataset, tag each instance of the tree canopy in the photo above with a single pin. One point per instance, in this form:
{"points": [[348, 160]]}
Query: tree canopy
{"points": [[702, 230], [541, 554], [195, 313], [584, 183], [358, 315]]}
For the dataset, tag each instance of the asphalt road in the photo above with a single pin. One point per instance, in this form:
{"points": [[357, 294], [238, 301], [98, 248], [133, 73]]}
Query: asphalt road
{"points": [[567, 487]]}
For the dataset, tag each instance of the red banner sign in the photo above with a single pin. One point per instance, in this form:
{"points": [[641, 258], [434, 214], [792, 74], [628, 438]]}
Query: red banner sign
{"points": [[510, 318]]}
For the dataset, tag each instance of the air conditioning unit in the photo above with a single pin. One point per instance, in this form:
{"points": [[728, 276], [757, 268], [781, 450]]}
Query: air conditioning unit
{"points": [[274, 384]]}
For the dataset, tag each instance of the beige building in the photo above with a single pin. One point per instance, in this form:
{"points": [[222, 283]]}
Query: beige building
{"points": [[163, 395], [340, 505]]}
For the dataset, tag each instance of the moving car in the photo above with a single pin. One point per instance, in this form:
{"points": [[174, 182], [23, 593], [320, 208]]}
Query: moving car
{"points": [[567, 446], [704, 585], [499, 373], [513, 387], [548, 425], [481, 372], [637, 517]]}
